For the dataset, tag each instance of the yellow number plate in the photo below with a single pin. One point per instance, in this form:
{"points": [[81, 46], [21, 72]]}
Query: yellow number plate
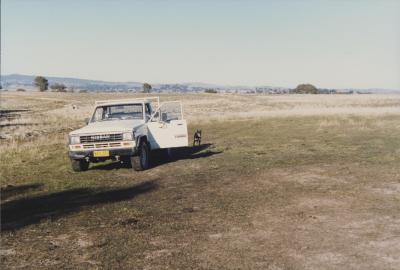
{"points": [[104, 153]]}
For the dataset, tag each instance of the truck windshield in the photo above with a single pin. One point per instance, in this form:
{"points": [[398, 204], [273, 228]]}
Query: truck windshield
{"points": [[118, 112]]}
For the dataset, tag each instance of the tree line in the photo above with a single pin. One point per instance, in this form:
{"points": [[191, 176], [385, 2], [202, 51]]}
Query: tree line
{"points": [[43, 85]]}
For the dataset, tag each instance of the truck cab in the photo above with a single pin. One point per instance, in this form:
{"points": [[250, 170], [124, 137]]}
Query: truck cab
{"points": [[128, 130]]}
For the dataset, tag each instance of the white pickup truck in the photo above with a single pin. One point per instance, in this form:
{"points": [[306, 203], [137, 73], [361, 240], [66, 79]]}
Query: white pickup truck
{"points": [[128, 130]]}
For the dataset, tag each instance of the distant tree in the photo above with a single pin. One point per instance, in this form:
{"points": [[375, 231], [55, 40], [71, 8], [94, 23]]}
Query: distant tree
{"points": [[210, 91], [146, 88], [41, 82], [305, 89], [59, 87]]}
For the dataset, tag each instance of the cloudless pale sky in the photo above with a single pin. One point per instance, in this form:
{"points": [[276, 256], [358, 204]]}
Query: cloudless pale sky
{"points": [[340, 44]]}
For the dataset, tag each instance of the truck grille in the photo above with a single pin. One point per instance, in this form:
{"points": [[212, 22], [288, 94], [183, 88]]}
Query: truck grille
{"points": [[101, 145], [101, 138]]}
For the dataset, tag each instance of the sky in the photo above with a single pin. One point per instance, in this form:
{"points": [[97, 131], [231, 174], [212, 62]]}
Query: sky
{"points": [[331, 44]]}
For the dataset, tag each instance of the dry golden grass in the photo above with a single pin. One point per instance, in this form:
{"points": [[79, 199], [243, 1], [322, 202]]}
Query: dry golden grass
{"points": [[56, 109]]}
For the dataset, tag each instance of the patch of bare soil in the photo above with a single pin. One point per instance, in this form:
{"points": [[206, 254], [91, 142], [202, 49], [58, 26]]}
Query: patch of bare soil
{"points": [[52, 250], [315, 218]]}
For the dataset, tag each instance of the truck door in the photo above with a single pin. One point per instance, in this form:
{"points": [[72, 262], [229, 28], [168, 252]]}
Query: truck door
{"points": [[167, 128]]}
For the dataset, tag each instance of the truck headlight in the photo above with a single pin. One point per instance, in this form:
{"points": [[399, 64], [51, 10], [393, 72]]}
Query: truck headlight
{"points": [[74, 140], [127, 136]]}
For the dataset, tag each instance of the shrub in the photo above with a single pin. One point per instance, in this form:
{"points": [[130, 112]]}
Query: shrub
{"points": [[305, 89], [41, 82], [21, 90], [146, 88], [59, 87], [211, 91]]}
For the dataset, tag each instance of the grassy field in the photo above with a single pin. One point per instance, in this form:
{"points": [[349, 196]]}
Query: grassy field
{"points": [[281, 182]]}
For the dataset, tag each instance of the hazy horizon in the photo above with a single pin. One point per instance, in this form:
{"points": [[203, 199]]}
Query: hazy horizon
{"points": [[188, 82], [329, 44]]}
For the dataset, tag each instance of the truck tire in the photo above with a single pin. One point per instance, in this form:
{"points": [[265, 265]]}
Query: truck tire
{"points": [[141, 161], [79, 165]]}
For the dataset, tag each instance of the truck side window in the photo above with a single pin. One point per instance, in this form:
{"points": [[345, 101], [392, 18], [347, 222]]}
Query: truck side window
{"points": [[156, 116], [148, 108], [147, 111], [98, 114]]}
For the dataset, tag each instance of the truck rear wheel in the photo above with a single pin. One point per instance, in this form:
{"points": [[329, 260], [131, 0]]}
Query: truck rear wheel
{"points": [[141, 161], [79, 165]]}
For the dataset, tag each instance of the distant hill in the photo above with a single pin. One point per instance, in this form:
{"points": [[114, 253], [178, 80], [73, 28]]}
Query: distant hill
{"points": [[27, 80], [15, 81]]}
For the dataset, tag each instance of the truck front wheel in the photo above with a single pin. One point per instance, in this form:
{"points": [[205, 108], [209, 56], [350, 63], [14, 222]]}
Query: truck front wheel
{"points": [[79, 165], [141, 161]]}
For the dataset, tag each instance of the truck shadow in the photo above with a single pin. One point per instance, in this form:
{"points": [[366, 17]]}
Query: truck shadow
{"points": [[160, 157], [11, 191], [16, 214], [193, 152]]}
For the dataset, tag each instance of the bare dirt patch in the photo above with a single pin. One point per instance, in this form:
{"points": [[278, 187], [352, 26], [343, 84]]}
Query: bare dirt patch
{"points": [[305, 225]]}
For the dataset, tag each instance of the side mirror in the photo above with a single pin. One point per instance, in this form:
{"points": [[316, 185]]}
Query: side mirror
{"points": [[155, 117], [87, 121], [164, 117]]}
